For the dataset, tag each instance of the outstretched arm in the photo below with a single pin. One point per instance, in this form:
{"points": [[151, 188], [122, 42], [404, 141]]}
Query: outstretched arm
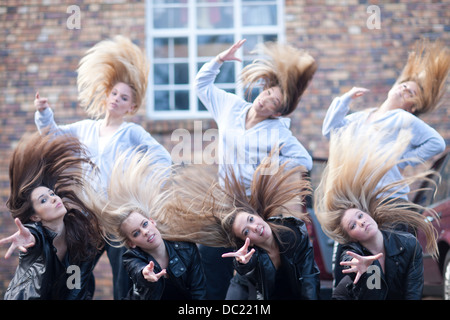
{"points": [[22, 239]]}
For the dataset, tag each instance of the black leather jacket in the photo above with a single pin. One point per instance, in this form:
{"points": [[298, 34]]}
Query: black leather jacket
{"points": [[299, 270], [402, 278], [185, 272], [41, 275]]}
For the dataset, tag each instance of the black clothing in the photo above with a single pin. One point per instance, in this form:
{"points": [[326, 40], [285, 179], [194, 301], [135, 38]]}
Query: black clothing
{"points": [[185, 273], [298, 273], [403, 271], [41, 275]]}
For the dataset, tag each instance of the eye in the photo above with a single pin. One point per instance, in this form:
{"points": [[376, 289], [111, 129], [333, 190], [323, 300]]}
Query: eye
{"points": [[135, 234], [43, 200], [145, 224]]}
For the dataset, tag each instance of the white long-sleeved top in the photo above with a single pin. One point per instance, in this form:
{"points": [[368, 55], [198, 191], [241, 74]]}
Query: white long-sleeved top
{"points": [[129, 135], [241, 148], [426, 142]]}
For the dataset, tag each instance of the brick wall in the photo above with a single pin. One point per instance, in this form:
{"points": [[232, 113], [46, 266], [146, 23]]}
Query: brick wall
{"points": [[39, 52]]}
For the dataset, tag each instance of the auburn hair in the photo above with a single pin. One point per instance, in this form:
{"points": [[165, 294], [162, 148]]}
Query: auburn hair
{"points": [[58, 163]]}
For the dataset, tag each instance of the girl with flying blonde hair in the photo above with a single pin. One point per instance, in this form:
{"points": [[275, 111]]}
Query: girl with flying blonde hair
{"points": [[361, 217], [160, 269], [112, 83], [248, 131], [418, 90]]}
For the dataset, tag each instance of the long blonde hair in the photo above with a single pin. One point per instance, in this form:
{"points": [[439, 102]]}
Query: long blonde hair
{"points": [[137, 184], [285, 66], [428, 65], [350, 181], [202, 210], [107, 63]]}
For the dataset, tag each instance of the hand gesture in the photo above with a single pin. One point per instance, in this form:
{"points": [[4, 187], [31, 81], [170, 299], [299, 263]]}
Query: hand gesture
{"points": [[40, 103], [229, 54], [22, 239], [242, 255], [150, 275], [359, 264], [357, 92]]}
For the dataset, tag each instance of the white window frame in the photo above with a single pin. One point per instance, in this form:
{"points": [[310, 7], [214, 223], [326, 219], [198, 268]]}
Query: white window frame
{"points": [[191, 33]]}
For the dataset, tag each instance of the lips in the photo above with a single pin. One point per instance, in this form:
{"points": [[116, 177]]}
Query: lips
{"points": [[151, 238], [58, 205], [261, 231]]}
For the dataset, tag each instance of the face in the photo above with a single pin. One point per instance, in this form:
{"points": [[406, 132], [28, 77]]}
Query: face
{"points": [[251, 226], [141, 232], [120, 100], [403, 93], [48, 207], [359, 225], [268, 102]]}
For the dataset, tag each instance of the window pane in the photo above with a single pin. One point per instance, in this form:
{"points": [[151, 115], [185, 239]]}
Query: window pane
{"points": [[170, 18], [182, 100], [161, 73], [209, 46], [161, 47], [227, 74], [254, 39], [259, 15], [161, 100], [181, 73], [180, 48], [170, 47], [215, 17]]}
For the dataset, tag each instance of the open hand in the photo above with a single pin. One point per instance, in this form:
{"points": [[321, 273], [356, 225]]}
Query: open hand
{"points": [[22, 239], [359, 264], [149, 273], [230, 53]]}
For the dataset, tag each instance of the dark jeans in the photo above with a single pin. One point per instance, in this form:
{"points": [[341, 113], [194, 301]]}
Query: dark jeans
{"points": [[218, 271], [121, 280]]}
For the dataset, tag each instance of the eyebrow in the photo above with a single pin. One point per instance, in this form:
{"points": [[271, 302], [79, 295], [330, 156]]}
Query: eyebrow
{"points": [[42, 195]]}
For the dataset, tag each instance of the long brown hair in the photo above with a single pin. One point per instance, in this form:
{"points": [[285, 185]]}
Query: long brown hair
{"points": [[56, 162], [289, 68]]}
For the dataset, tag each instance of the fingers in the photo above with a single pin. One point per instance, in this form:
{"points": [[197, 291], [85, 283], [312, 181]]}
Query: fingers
{"points": [[229, 255]]}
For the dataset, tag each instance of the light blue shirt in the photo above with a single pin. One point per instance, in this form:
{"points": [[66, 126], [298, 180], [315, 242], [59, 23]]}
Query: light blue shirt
{"points": [[240, 148], [425, 143], [129, 135]]}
